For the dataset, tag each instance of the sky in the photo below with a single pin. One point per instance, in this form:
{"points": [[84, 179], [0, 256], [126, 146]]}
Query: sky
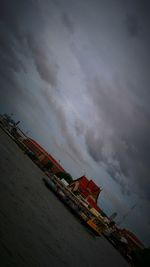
{"points": [[76, 74]]}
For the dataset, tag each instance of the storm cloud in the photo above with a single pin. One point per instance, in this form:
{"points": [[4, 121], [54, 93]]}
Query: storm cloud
{"points": [[47, 69], [132, 25], [76, 73], [68, 23], [121, 137]]}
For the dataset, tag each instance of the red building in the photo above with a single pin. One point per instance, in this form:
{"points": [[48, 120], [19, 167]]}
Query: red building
{"points": [[43, 156], [87, 189]]}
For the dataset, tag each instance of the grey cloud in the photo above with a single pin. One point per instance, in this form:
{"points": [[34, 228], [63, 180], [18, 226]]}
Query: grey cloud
{"points": [[79, 127], [15, 94], [11, 64], [14, 16], [8, 51], [137, 18], [8, 14], [67, 22], [47, 70], [122, 136], [120, 179], [132, 25], [17, 39], [57, 107], [94, 146]]}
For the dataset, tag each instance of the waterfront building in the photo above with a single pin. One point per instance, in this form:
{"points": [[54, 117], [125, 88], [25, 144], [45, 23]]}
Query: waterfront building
{"points": [[87, 190], [43, 157], [133, 241]]}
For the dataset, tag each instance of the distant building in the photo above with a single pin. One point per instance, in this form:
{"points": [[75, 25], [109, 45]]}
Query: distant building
{"points": [[42, 155], [87, 189], [133, 241]]}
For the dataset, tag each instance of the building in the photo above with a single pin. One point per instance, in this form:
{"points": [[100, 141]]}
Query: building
{"points": [[88, 190], [42, 155], [133, 241]]}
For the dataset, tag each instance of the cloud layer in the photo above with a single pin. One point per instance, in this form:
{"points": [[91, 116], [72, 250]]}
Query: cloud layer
{"points": [[120, 138], [77, 74]]}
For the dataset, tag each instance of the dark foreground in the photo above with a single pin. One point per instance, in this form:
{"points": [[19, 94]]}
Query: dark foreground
{"points": [[36, 229]]}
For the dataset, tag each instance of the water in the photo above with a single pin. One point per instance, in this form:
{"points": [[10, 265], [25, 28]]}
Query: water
{"points": [[36, 229]]}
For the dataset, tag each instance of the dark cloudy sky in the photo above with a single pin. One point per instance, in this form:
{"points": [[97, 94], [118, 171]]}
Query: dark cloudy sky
{"points": [[77, 75]]}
